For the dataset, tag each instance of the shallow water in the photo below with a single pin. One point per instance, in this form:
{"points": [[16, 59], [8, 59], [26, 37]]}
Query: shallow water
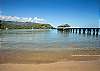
{"points": [[30, 39], [46, 46]]}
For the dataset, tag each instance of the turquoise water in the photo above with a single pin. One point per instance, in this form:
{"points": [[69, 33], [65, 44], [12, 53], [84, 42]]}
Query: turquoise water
{"points": [[30, 39]]}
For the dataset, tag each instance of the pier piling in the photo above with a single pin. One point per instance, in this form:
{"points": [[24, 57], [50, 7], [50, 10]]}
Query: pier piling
{"points": [[94, 31]]}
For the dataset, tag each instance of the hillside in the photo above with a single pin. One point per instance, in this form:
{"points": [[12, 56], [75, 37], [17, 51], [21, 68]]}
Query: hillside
{"points": [[23, 25]]}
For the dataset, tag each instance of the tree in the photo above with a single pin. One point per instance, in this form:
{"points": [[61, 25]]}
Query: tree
{"points": [[65, 25]]}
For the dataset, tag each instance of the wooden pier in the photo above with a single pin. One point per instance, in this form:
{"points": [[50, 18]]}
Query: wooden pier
{"points": [[93, 31]]}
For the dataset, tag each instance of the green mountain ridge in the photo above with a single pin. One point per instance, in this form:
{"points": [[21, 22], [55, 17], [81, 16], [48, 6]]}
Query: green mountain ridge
{"points": [[23, 25]]}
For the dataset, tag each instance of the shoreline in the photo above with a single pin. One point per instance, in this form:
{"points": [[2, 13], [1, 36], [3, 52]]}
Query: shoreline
{"points": [[47, 56], [58, 66], [50, 60]]}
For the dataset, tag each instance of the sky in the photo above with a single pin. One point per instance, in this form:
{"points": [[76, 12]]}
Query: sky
{"points": [[76, 13]]}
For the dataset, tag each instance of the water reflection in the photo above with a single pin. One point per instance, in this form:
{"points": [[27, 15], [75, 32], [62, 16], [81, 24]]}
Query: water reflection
{"points": [[64, 33], [77, 31], [27, 38]]}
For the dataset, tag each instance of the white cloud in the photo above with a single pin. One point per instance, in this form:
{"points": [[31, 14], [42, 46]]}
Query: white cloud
{"points": [[39, 20], [23, 19]]}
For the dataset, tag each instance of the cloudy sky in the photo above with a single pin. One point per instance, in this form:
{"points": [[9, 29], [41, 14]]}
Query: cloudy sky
{"points": [[80, 13]]}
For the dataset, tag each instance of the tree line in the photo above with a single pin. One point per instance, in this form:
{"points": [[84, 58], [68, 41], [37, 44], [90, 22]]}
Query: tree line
{"points": [[18, 25]]}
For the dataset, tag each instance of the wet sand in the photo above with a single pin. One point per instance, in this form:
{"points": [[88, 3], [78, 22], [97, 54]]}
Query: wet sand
{"points": [[46, 56], [52, 60], [59, 66]]}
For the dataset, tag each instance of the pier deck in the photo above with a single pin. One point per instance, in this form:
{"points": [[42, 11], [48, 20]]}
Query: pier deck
{"points": [[95, 31]]}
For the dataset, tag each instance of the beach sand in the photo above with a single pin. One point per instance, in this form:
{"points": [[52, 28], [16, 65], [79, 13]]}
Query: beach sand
{"points": [[58, 66], [63, 60]]}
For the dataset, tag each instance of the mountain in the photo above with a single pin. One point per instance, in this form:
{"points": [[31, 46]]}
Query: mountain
{"points": [[23, 25], [13, 22]]}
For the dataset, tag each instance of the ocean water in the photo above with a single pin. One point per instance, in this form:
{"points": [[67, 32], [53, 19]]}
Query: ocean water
{"points": [[44, 38]]}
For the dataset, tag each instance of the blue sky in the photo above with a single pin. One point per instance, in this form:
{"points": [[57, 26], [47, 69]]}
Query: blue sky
{"points": [[80, 13]]}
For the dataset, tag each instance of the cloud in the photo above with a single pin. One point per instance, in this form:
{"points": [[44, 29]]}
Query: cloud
{"points": [[23, 19], [39, 20]]}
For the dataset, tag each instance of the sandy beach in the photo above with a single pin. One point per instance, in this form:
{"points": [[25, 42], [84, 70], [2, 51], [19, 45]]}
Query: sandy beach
{"points": [[16, 56], [63, 60], [58, 66]]}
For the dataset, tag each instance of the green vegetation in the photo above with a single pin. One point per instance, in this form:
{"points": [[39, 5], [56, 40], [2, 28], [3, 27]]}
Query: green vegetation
{"points": [[65, 25], [42, 26], [20, 25]]}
